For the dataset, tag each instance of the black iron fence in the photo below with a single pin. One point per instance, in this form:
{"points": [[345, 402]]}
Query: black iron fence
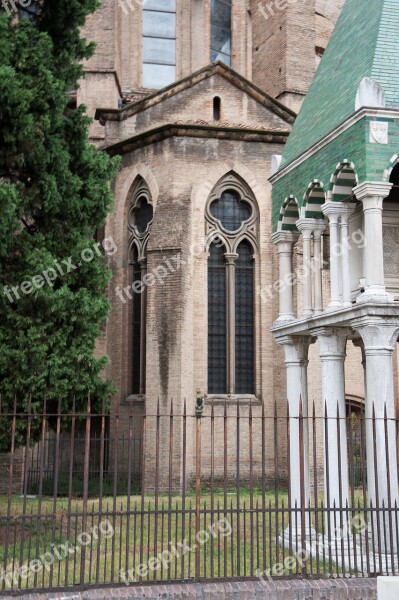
{"points": [[230, 490]]}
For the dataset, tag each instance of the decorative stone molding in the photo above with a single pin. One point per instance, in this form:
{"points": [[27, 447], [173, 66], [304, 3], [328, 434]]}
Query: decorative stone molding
{"points": [[296, 348], [332, 341], [138, 239], [378, 334], [248, 228], [370, 189]]}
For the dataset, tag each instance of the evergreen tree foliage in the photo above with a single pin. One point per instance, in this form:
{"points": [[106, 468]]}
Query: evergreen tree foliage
{"points": [[55, 192]]}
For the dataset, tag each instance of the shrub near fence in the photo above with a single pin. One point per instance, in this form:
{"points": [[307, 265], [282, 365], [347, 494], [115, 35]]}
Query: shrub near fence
{"points": [[188, 495]]}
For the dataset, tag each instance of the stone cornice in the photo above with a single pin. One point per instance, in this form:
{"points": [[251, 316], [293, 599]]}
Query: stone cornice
{"points": [[363, 112], [195, 131], [339, 318]]}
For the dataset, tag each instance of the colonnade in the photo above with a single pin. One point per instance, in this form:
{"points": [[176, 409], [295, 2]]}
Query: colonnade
{"points": [[372, 320]]}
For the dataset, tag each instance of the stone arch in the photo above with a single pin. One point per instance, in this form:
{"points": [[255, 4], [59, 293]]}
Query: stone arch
{"points": [[289, 214], [394, 162], [342, 181], [125, 184], [202, 191], [247, 238], [248, 228], [313, 200], [140, 172]]}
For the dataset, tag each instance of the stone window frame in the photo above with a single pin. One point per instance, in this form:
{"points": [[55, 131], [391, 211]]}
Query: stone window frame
{"points": [[249, 230], [138, 242]]}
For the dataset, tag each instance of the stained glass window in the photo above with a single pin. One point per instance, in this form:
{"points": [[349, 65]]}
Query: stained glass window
{"points": [[217, 344], [230, 210], [143, 214], [136, 327], [244, 319]]}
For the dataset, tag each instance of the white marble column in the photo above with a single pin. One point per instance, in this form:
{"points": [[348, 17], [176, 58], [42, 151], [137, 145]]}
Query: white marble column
{"points": [[305, 226], [332, 344], [333, 211], [318, 229], [296, 362], [372, 195], [379, 337], [345, 264], [284, 242]]}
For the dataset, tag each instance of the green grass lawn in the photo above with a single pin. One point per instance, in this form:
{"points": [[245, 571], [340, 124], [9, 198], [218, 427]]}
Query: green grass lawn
{"points": [[236, 537]]}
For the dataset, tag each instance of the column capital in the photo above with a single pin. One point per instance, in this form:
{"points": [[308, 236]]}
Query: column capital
{"points": [[306, 226], [231, 258], [284, 241], [295, 348], [318, 229], [369, 190], [334, 210], [348, 209], [285, 237], [332, 341], [379, 334]]}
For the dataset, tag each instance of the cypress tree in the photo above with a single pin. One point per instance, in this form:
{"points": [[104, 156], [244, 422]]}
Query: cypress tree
{"points": [[55, 193]]}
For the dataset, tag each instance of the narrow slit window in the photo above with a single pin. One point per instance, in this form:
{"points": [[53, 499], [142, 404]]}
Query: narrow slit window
{"points": [[216, 108]]}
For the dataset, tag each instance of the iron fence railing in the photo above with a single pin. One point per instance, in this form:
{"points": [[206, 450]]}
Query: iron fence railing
{"points": [[230, 490]]}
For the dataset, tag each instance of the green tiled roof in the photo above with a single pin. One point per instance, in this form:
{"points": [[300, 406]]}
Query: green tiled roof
{"points": [[365, 43]]}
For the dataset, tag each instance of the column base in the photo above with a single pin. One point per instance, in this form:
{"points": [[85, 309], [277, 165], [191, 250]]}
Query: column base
{"points": [[349, 554], [334, 305], [283, 319], [293, 539], [376, 295]]}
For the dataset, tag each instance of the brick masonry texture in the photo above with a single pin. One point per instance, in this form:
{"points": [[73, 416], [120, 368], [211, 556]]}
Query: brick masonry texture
{"points": [[337, 589], [279, 55]]}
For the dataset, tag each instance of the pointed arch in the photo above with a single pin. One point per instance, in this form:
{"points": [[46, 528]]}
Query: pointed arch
{"points": [[231, 211], [313, 200], [231, 235], [289, 214], [342, 181]]}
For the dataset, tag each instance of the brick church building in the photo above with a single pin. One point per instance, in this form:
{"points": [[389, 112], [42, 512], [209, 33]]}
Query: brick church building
{"points": [[198, 98]]}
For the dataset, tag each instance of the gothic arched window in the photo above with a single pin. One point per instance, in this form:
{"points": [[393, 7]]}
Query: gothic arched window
{"points": [[139, 222], [232, 218]]}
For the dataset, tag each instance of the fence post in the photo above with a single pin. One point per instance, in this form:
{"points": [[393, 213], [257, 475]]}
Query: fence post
{"points": [[85, 487], [302, 486], [199, 409]]}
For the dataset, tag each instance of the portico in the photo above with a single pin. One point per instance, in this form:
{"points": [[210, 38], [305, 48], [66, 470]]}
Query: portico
{"points": [[340, 172]]}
